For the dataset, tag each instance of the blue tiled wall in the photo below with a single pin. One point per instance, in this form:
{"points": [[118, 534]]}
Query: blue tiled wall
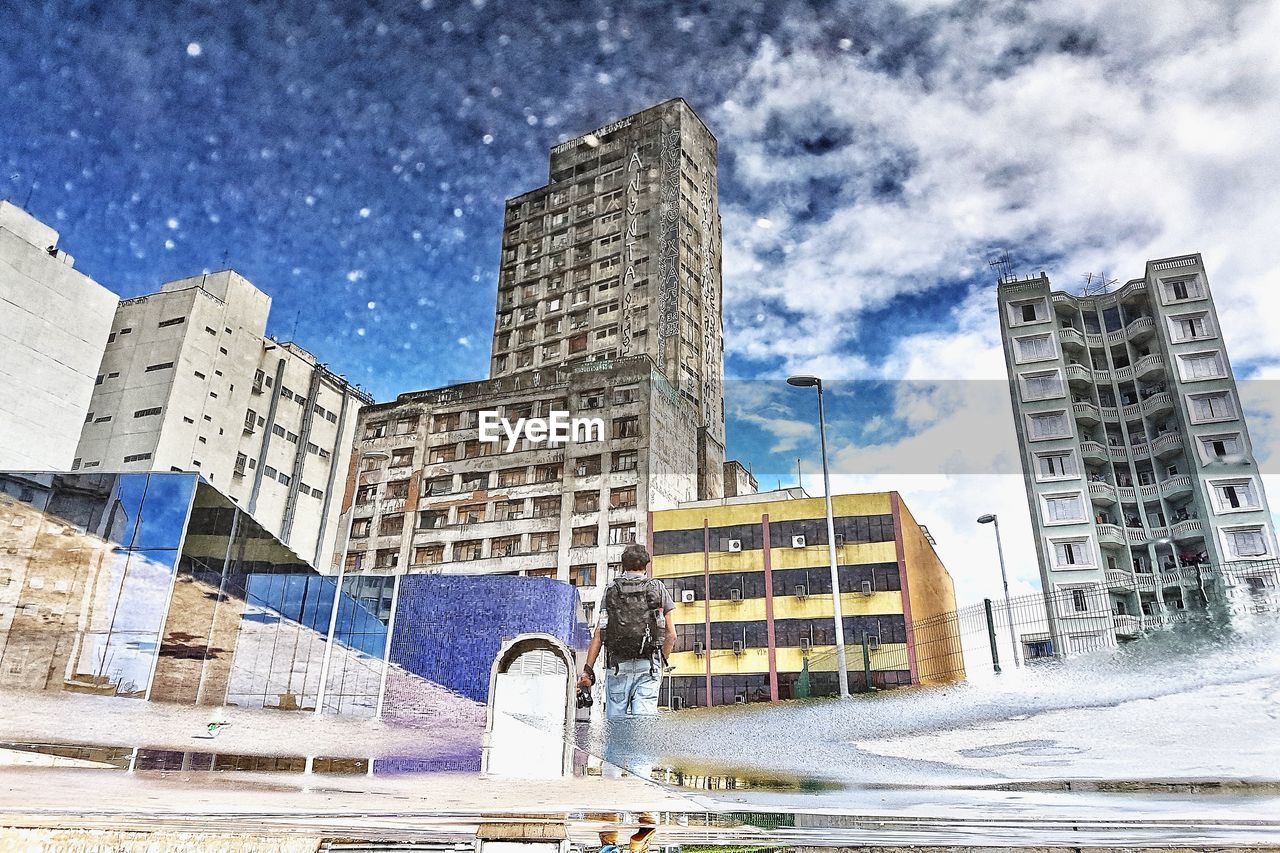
{"points": [[448, 628]]}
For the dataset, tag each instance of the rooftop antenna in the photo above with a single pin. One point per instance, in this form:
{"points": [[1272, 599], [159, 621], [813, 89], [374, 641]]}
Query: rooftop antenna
{"points": [[293, 336], [1096, 284], [1003, 264], [224, 259]]}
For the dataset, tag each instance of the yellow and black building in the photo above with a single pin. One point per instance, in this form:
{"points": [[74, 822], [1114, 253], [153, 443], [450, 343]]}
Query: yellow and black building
{"points": [[751, 579]]}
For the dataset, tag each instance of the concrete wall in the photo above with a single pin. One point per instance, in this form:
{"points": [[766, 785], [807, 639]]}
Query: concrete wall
{"points": [[54, 323], [930, 597]]}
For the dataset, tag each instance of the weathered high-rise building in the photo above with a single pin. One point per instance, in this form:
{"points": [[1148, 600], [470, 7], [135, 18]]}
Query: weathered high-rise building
{"points": [[609, 306], [619, 255]]}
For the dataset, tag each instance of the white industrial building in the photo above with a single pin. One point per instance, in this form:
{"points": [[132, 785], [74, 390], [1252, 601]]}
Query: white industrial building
{"points": [[54, 322]]}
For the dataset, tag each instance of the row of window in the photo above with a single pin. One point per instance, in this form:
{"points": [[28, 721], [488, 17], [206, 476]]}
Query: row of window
{"points": [[728, 586], [806, 533], [1209, 407], [1243, 542], [1183, 328], [1024, 312], [469, 550], [792, 633]]}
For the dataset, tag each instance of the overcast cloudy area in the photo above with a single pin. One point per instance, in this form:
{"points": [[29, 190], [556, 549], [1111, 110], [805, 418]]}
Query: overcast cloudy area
{"points": [[351, 159]]}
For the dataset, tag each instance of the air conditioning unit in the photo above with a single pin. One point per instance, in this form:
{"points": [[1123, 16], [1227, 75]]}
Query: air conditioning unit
{"points": [[740, 699], [688, 596], [676, 703], [733, 545], [738, 647], [805, 644], [866, 587], [698, 648], [873, 641], [801, 590], [797, 542], [839, 539], [735, 594]]}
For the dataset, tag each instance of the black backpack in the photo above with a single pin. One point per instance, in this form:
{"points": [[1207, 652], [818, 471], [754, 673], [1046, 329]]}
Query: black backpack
{"points": [[636, 627]]}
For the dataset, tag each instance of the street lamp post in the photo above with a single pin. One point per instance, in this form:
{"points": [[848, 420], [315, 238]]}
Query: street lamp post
{"points": [[1004, 578], [815, 382]]}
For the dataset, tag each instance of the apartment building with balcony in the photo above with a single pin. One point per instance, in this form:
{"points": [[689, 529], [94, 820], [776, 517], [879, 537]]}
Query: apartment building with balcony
{"points": [[190, 382], [751, 578], [1137, 460], [426, 495]]}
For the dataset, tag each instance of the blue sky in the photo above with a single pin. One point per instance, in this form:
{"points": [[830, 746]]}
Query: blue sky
{"points": [[351, 159]]}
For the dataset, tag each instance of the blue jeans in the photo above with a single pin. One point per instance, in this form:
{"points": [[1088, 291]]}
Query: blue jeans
{"points": [[632, 691]]}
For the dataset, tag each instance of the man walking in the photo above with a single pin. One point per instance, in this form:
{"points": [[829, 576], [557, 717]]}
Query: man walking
{"points": [[638, 634]]}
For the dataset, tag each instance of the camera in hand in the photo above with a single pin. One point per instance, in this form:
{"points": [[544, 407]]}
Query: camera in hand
{"points": [[584, 697]]}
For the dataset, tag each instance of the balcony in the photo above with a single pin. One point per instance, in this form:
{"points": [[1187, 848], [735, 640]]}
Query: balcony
{"points": [[1118, 453], [1126, 494], [1136, 535], [1092, 451], [1140, 329], [1192, 528], [1126, 625], [1110, 534], [1167, 444], [1176, 486], [1093, 339], [1086, 413], [1065, 301], [1149, 367], [1141, 451], [1102, 493], [1071, 339], [1078, 375], [1132, 411], [1101, 376], [1144, 581], [1158, 404], [1124, 374], [1118, 580]]}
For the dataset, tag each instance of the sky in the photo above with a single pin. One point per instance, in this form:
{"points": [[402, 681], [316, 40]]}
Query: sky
{"points": [[351, 159]]}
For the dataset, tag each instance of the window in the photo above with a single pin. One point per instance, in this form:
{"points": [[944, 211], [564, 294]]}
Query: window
{"points": [[593, 399], [427, 554], [624, 460], [152, 368], [585, 537], [1070, 553], [509, 510], [1183, 289], [472, 549], [364, 495], [548, 541], [1079, 601], [397, 490], [391, 525], [1201, 365], [622, 498], [472, 513], [1041, 386], [373, 429], [137, 457], [1063, 509], [475, 481], [583, 574], [284, 478], [1245, 542], [387, 558], [1214, 448], [447, 453], [546, 507], [400, 456], [1048, 425], [361, 527], [1190, 327], [276, 429], [147, 413], [626, 427], [1231, 495], [511, 477], [432, 519], [175, 321], [404, 426], [504, 546], [626, 394], [586, 501], [1033, 348], [587, 466], [547, 473], [1029, 311], [1055, 466], [126, 330], [291, 437], [1212, 407], [446, 421], [578, 343], [622, 534]]}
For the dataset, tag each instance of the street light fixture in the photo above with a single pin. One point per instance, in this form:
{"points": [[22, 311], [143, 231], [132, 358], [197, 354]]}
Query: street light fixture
{"points": [[991, 519], [815, 382]]}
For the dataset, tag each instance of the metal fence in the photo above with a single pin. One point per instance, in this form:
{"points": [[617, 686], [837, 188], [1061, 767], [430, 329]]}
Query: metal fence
{"points": [[993, 635]]}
